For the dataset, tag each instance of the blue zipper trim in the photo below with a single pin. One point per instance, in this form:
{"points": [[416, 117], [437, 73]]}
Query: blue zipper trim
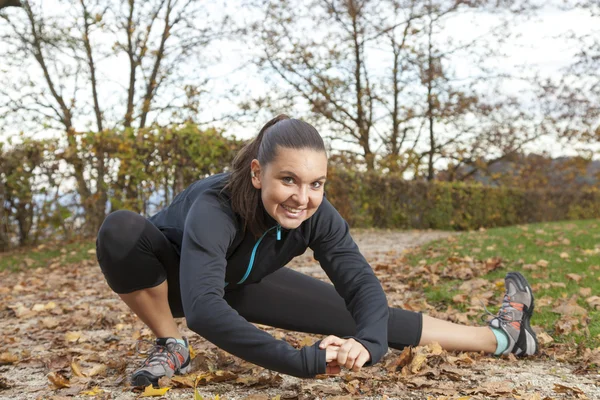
{"points": [[251, 263]]}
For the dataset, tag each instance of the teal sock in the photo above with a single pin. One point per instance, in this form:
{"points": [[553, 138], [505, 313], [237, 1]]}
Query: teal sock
{"points": [[502, 340], [182, 342]]}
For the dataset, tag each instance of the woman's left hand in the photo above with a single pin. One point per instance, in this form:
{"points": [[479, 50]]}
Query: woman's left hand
{"points": [[351, 354]]}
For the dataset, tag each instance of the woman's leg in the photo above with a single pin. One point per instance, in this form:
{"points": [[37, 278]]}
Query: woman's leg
{"points": [[136, 258], [453, 336], [142, 267], [290, 300]]}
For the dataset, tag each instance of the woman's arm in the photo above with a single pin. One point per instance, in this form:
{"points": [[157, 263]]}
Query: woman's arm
{"points": [[352, 277], [209, 231]]}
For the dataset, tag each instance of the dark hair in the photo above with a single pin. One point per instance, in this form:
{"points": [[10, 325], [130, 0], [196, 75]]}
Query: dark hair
{"points": [[281, 131]]}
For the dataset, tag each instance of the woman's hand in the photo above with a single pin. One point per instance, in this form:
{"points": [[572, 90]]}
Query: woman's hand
{"points": [[350, 353]]}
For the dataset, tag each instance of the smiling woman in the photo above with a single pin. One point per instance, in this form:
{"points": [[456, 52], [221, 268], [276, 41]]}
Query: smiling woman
{"points": [[217, 254]]}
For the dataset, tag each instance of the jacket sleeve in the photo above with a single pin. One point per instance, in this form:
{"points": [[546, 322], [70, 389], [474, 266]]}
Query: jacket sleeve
{"points": [[208, 233], [352, 277]]}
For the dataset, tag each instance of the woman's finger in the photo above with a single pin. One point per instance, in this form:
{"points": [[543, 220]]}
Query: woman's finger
{"points": [[362, 359], [343, 352], [331, 340], [331, 353], [352, 356]]}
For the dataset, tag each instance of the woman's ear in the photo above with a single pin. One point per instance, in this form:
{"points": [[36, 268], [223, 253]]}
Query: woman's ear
{"points": [[255, 174]]}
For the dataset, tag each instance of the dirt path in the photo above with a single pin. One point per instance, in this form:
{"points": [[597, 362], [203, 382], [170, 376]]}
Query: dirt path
{"points": [[62, 322]]}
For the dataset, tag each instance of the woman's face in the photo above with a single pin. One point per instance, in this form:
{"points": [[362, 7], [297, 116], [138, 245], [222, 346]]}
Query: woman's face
{"points": [[291, 185]]}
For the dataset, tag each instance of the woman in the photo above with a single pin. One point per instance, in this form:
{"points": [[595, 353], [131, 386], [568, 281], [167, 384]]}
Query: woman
{"points": [[216, 255]]}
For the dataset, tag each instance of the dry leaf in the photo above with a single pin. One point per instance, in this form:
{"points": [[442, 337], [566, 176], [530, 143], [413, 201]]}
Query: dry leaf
{"points": [[58, 380], [593, 302], [542, 263], [574, 277], [558, 388], [183, 381], [569, 309], [8, 358], [50, 322], [93, 392], [149, 391], [435, 349], [72, 337], [76, 369], [97, 369], [564, 255], [544, 338], [417, 363], [585, 291]]}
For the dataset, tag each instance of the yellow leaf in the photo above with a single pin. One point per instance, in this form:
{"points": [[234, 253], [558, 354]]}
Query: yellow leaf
{"points": [[72, 337], [149, 391], [76, 369], [192, 353], [197, 395], [94, 392]]}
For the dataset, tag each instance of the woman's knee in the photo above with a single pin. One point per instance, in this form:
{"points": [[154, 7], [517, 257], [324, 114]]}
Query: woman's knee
{"points": [[119, 232]]}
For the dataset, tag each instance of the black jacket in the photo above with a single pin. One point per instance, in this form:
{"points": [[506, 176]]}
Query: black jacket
{"points": [[215, 250]]}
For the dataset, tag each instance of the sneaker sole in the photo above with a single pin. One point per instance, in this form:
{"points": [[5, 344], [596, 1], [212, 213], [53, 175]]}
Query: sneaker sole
{"points": [[145, 380], [530, 336]]}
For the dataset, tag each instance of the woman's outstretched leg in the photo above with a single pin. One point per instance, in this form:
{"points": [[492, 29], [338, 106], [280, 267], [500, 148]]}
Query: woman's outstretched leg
{"points": [[142, 267], [290, 300]]}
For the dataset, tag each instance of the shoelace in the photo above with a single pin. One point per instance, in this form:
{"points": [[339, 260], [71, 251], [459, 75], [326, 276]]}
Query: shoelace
{"points": [[157, 354], [502, 312]]}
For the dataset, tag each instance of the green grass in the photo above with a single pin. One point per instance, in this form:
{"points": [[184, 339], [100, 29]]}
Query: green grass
{"points": [[568, 247], [46, 254]]}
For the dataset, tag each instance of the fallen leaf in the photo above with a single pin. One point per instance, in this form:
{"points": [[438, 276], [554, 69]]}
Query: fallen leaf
{"points": [[585, 291], [558, 388], [94, 392], [97, 369], [149, 391], [564, 255], [8, 358], [544, 338], [593, 302], [72, 337], [76, 369], [542, 263], [574, 277], [58, 380], [569, 309], [183, 381], [50, 322], [417, 363]]}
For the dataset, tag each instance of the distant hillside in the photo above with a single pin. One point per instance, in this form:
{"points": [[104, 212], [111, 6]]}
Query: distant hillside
{"points": [[533, 171]]}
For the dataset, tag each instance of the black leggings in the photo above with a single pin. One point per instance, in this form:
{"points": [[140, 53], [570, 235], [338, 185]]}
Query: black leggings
{"points": [[133, 254]]}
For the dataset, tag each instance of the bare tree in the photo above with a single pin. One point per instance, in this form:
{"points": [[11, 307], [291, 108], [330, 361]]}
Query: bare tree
{"points": [[64, 66], [379, 74]]}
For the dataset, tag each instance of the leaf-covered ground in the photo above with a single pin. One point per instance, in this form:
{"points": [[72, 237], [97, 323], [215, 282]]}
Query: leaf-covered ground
{"points": [[65, 335]]}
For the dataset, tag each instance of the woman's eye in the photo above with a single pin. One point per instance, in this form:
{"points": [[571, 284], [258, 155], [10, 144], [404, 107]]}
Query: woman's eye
{"points": [[288, 180], [317, 185]]}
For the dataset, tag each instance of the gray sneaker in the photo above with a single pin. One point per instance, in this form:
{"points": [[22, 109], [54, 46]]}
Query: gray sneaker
{"points": [[514, 315], [166, 358]]}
